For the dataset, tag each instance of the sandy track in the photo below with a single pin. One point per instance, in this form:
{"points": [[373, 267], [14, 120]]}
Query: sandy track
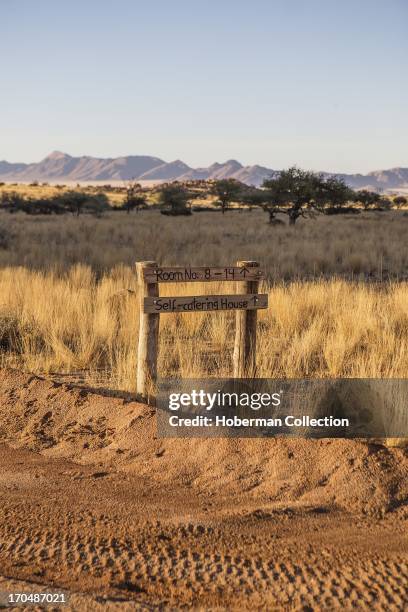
{"points": [[120, 537], [146, 527]]}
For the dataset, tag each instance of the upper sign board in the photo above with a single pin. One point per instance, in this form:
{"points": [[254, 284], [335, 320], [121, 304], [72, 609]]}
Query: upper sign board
{"points": [[188, 275]]}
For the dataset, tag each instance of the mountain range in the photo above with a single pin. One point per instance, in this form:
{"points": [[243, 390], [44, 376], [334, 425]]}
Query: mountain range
{"points": [[60, 167]]}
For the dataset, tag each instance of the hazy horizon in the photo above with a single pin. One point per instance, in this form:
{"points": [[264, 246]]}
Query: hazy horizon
{"points": [[275, 83]]}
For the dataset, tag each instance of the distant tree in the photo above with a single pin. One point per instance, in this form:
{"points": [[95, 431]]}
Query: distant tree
{"points": [[291, 192], [174, 198], [400, 201], [134, 199], [227, 191], [136, 202], [97, 204], [300, 193], [73, 201], [368, 199], [78, 201], [334, 195]]}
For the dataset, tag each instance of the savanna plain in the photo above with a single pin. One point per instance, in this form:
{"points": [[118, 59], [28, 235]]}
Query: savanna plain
{"points": [[93, 502]]}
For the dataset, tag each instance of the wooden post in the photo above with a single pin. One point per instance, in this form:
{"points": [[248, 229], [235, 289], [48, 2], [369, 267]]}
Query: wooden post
{"points": [[245, 329], [148, 334]]}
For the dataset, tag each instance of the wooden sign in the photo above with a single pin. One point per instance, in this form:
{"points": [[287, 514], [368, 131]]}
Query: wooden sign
{"points": [[188, 275], [205, 303], [152, 305]]}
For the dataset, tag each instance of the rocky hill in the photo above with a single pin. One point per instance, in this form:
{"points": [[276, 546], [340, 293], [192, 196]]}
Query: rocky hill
{"points": [[62, 167]]}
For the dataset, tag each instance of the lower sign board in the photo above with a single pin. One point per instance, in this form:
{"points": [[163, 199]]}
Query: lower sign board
{"points": [[188, 275], [205, 303]]}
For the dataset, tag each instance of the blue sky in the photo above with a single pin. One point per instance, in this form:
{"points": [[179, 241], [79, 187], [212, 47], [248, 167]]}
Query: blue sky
{"points": [[317, 83]]}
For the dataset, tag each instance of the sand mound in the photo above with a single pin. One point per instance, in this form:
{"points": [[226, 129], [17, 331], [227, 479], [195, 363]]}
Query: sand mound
{"points": [[60, 420]]}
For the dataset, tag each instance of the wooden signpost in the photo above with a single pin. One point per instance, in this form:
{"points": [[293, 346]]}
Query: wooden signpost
{"points": [[246, 304]]}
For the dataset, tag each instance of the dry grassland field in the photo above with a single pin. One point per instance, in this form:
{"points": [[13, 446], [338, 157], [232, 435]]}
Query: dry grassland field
{"points": [[337, 290], [371, 245], [96, 505]]}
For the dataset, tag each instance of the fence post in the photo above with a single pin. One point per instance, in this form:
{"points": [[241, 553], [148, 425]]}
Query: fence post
{"points": [[245, 329], [148, 333]]}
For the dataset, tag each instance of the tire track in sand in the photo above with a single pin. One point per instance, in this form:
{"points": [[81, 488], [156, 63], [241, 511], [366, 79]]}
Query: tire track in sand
{"points": [[180, 563]]}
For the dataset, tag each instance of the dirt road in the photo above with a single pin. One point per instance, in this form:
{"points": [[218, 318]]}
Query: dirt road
{"points": [[139, 532], [120, 536]]}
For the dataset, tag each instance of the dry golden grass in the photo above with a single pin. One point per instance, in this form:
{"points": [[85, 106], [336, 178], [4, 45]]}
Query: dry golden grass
{"points": [[114, 190], [371, 245], [45, 190], [78, 323]]}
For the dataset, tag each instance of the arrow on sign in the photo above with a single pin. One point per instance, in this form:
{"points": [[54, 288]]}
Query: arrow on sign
{"points": [[244, 271]]}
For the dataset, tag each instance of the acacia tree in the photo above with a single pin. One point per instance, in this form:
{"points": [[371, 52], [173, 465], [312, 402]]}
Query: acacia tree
{"points": [[227, 191], [368, 199], [334, 194], [79, 201], [174, 199], [300, 193], [290, 192]]}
